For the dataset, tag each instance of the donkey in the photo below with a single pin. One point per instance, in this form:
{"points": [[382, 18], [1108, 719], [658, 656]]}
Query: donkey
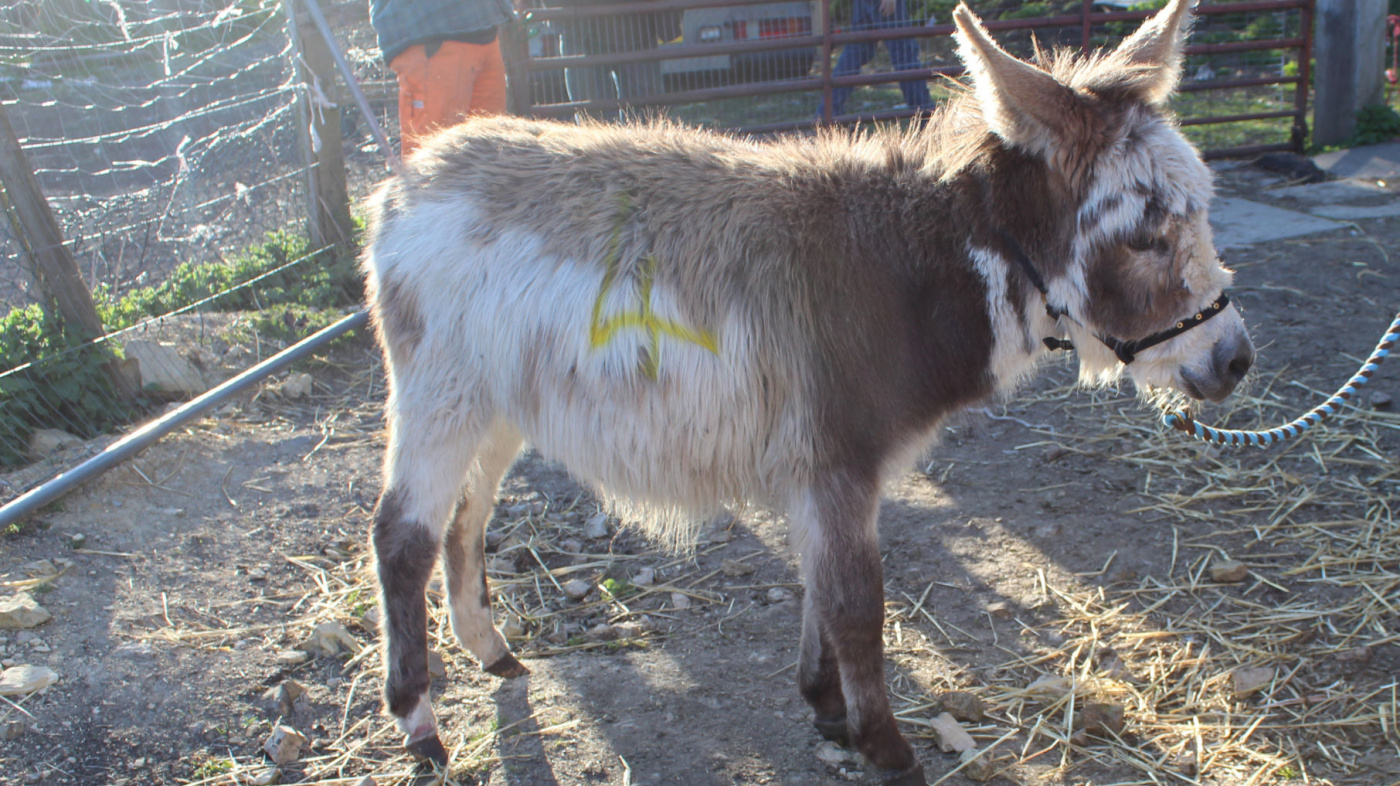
{"points": [[688, 320]]}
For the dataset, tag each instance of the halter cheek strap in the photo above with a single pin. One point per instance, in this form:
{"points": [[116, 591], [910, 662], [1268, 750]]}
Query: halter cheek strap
{"points": [[1125, 351]]}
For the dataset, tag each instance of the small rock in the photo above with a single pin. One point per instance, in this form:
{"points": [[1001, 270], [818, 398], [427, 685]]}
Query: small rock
{"points": [[295, 386], [291, 657], [45, 442], [629, 630], [12, 730], [1250, 679], [577, 589], [734, 568], [287, 694], [437, 667], [501, 566], [24, 679], [1113, 666], [284, 745], [601, 632], [644, 577], [1228, 572], [1050, 688], [1185, 763], [329, 638], [512, 628], [963, 706], [39, 568], [977, 765], [1001, 610], [596, 527], [1380, 400], [571, 545], [267, 777], [679, 601], [371, 618], [778, 595], [368, 780], [22, 611], [164, 370], [77, 541], [951, 736], [1102, 720], [831, 753]]}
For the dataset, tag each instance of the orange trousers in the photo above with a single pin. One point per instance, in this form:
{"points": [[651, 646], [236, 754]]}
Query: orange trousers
{"points": [[435, 92]]}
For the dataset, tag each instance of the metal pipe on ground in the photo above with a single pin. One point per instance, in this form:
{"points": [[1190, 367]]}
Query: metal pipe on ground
{"points": [[145, 436]]}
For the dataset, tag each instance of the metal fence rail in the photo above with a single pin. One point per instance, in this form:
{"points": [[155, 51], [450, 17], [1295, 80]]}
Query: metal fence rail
{"points": [[1247, 63]]}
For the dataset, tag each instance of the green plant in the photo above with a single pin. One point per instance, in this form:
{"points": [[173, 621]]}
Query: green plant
{"points": [[212, 768], [1375, 124]]}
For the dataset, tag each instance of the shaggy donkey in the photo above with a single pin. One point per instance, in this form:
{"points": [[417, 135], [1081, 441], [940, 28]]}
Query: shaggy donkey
{"points": [[687, 320]]}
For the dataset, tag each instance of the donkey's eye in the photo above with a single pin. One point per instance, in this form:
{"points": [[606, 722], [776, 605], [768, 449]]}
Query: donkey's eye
{"points": [[1148, 243]]}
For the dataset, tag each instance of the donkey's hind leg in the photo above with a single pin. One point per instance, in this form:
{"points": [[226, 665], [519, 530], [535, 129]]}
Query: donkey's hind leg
{"points": [[425, 467], [469, 597]]}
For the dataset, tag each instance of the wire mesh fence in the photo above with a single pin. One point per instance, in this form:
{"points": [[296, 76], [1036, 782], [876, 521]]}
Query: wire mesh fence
{"points": [[170, 141]]}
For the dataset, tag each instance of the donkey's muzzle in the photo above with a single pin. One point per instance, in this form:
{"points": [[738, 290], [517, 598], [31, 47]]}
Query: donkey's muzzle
{"points": [[1230, 361]]}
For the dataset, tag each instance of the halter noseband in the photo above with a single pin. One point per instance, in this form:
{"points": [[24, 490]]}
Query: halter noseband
{"points": [[1126, 351]]}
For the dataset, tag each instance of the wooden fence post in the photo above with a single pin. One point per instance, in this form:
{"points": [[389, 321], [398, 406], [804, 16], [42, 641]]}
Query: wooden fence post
{"points": [[328, 215], [1350, 47], [49, 262]]}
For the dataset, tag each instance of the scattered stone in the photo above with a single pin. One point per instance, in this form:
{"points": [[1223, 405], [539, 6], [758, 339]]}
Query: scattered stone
{"points": [[1228, 572], [368, 780], [437, 667], [735, 568], [1050, 688], [284, 745], [22, 680], [644, 577], [45, 442], [77, 541], [1113, 666], [977, 765], [577, 589], [1250, 679], [629, 630], [680, 602], [831, 753], [164, 370], [291, 657], [329, 638], [12, 730], [778, 595], [951, 736], [287, 694], [571, 545], [596, 527], [1001, 610], [512, 628], [1102, 720], [1185, 763], [601, 632], [1380, 400], [295, 386], [500, 565], [371, 618], [22, 611], [718, 529], [963, 706], [267, 777]]}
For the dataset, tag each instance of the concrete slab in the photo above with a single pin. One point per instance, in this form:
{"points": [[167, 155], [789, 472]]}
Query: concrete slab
{"points": [[1333, 192], [1240, 222], [1357, 212], [1375, 162]]}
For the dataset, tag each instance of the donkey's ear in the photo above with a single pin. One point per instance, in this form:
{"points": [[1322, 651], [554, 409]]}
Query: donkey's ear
{"points": [[1022, 104], [1154, 52]]}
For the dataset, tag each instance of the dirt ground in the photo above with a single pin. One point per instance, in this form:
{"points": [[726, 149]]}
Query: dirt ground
{"points": [[1055, 551]]}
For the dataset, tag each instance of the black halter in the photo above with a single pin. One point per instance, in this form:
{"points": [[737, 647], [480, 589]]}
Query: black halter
{"points": [[1125, 350]]}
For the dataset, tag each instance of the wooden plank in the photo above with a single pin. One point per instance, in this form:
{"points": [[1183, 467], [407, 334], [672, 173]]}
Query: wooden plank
{"points": [[49, 262]]}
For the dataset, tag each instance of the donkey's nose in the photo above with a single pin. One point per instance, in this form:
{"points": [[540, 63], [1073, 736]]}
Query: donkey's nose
{"points": [[1231, 360]]}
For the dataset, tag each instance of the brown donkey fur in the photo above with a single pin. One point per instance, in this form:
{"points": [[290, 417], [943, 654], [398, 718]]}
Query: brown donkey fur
{"points": [[688, 320]]}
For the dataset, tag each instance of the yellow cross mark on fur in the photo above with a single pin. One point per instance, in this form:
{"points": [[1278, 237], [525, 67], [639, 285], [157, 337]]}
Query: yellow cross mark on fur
{"points": [[602, 331]]}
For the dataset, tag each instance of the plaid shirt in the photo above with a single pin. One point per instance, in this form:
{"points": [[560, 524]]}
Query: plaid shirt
{"points": [[403, 23]]}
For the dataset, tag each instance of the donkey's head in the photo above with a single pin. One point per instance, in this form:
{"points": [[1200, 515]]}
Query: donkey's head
{"points": [[1139, 266]]}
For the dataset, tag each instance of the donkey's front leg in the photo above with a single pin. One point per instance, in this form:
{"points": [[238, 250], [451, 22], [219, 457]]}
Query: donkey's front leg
{"points": [[845, 604]]}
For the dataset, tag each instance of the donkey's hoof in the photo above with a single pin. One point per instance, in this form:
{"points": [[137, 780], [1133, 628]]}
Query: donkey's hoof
{"points": [[834, 729], [914, 776], [427, 749], [507, 667]]}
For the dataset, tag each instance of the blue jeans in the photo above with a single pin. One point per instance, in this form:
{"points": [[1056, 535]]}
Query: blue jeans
{"points": [[904, 54]]}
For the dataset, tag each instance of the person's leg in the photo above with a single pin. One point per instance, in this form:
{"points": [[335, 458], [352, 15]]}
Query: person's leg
{"points": [[443, 88], [904, 55], [853, 57], [587, 83]]}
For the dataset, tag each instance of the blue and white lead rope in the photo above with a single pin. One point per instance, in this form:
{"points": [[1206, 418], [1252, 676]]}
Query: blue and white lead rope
{"points": [[1181, 421]]}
